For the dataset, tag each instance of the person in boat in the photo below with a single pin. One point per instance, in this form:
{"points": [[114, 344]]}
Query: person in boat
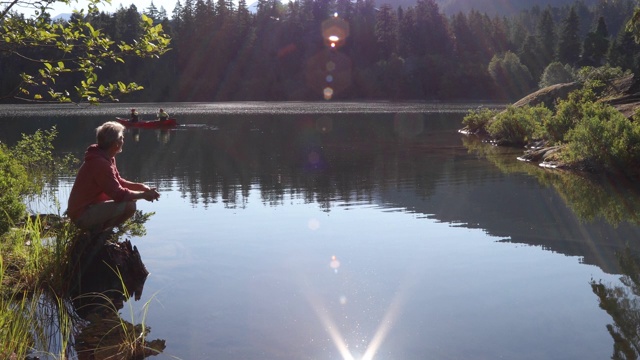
{"points": [[134, 116], [100, 198], [162, 115]]}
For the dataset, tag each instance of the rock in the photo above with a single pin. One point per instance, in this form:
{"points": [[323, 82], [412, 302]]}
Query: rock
{"points": [[549, 95], [102, 267], [622, 93], [539, 154]]}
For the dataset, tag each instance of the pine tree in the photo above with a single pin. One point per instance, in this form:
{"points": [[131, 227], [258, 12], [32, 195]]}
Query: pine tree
{"points": [[531, 57], [385, 31], [625, 52], [406, 28], [569, 43], [547, 38], [596, 45]]}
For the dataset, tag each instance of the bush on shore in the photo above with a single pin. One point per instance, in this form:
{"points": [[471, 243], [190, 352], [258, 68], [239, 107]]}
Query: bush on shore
{"points": [[603, 138], [519, 126], [591, 134]]}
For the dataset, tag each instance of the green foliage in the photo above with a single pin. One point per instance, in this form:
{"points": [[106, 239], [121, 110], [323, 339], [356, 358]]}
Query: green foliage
{"points": [[546, 36], [14, 185], [476, 120], [518, 126], [34, 152], [621, 302], [597, 77], [556, 73], [596, 44], [569, 44], [511, 75], [25, 170], [568, 113], [603, 138], [35, 253], [262, 56], [74, 50], [31, 299], [633, 25]]}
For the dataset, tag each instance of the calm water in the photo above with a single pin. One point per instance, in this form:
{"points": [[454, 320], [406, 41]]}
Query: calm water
{"points": [[358, 231]]}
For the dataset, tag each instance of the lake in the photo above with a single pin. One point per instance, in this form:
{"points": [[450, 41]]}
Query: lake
{"points": [[359, 231]]}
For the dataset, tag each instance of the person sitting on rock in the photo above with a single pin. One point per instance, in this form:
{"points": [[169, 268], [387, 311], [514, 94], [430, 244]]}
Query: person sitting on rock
{"points": [[100, 198]]}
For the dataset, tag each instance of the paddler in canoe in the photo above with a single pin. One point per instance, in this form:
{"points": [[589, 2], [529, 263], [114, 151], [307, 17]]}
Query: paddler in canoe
{"points": [[162, 115], [134, 116]]}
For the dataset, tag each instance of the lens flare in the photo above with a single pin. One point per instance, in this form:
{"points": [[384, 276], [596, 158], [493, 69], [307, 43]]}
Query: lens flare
{"points": [[334, 264], [328, 93], [408, 125], [313, 224], [324, 124], [329, 72], [385, 325], [313, 158], [335, 31]]}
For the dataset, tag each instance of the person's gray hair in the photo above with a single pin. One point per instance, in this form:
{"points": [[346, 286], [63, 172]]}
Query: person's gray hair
{"points": [[108, 133]]}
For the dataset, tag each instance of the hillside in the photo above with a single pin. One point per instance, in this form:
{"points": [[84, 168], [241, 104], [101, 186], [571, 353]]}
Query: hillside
{"points": [[491, 7]]}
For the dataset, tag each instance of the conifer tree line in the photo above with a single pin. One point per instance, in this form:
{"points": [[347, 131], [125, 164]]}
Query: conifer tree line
{"points": [[222, 51]]}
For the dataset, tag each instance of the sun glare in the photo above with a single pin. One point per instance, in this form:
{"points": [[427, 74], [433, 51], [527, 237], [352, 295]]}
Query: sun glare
{"points": [[332, 328]]}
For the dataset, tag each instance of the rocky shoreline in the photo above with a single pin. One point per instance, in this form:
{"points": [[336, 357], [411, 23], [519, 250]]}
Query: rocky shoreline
{"points": [[623, 94]]}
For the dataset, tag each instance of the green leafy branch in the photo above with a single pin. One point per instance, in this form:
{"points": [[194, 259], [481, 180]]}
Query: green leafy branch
{"points": [[79, 52]]}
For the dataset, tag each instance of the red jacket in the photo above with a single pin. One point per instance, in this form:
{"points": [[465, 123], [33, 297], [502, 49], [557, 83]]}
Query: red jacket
{"points": [[98, 180]]}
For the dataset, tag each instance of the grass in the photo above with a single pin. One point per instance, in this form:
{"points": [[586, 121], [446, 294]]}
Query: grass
{"points": [[37, 314]]}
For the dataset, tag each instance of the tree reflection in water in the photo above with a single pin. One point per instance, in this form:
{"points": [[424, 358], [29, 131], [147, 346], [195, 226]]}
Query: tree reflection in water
{"points": [[591, 197], [106, 271], [622, 303], [615, 199]]}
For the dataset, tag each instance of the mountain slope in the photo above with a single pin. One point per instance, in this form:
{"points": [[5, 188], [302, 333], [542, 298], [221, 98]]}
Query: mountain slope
{"points": [[491, 7]]}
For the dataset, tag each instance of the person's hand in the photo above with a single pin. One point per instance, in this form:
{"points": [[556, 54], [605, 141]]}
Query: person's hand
{"points": [[151, 194]]}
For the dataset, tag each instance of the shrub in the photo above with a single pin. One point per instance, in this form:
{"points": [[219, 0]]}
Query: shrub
{"points": [[476, 120], [556, 73], [518, 126], [604, 138], [13, 185], [511, 75], [25, 169], [597, 77], [568, 113]]}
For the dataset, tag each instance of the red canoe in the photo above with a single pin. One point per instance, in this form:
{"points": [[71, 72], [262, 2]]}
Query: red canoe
{"points": [[153, 124]]}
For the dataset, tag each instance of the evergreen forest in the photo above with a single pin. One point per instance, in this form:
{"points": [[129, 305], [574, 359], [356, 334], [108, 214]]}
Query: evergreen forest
{"points": [[307, 50]]}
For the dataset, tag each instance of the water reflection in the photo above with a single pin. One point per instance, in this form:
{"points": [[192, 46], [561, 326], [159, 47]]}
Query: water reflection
{"points": [[591, 197], [622, 303], [345, 222], [323, 158], [104, 273]]}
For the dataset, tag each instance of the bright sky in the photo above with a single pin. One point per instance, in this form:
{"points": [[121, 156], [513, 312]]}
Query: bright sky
{"points": [[60, 8]]}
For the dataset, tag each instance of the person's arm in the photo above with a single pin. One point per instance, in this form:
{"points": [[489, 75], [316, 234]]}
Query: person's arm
{"points": [[150, 195], [120, 189], [140, 191], [133, 185]]}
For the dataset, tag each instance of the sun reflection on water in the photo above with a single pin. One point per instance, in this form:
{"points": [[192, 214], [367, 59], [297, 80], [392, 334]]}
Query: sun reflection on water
{"points": [[364, 349]]}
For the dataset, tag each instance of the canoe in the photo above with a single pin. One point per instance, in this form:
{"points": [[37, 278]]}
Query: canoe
{"points": [[152, 124]]}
